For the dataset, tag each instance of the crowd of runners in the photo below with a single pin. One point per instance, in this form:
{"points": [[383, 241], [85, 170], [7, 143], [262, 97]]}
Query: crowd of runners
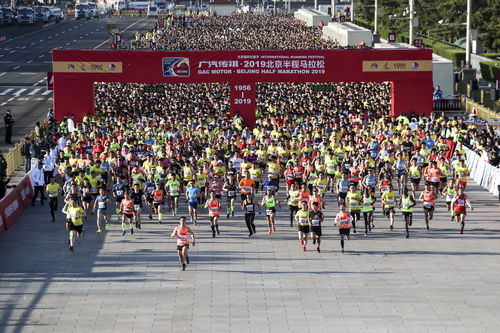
{"points": [[235, 32], [151, 156]]}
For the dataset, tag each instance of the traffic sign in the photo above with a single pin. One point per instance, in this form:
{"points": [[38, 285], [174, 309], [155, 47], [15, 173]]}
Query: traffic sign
{"points": [[391, 37], [418, 43], [50, 80]]}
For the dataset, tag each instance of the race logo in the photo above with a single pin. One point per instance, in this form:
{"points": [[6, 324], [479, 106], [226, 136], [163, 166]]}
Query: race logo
{"points": [[176, 67]]}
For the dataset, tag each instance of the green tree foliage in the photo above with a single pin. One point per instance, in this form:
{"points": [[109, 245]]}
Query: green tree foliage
{"points": [[442, 20]]}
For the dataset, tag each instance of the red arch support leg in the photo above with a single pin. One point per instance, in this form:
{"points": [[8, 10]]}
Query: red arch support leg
{"points": [[411, 97], [243, 101]]}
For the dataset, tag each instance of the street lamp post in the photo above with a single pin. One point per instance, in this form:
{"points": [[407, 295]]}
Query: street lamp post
{"points": [[467, 35], [412, 2], [375, 19]]}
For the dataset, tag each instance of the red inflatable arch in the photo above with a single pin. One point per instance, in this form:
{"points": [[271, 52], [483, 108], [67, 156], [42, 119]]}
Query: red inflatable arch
{"points": [[75, 72]]}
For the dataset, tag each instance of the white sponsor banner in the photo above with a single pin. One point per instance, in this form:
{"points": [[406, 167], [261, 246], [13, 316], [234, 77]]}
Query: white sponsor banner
{"points": [[482, 172]]}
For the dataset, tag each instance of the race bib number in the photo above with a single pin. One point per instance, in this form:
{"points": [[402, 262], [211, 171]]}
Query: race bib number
{"points": [[52, 192], [247, 189], [320, 187], [101, 205], [303, 220], [174, 191], [202, 183], [389, 202], [344, 222], [343, 189], [250, 208], [182, 238], [405, 205], [137, 207], [73, 215], [461, 202], [435, 179], [119, 193], [269, 211], [428, 205], [231, 193], [213, 209], [315, 222], [367, 204]]}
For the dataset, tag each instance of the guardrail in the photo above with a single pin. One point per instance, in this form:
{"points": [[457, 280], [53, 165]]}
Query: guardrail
{"points": [[14, 157], [454, 104], [481, 111]]}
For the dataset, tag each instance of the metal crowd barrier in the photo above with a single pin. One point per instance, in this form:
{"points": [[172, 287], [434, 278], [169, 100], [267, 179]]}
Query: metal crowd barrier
{"points": [[14, 158]]}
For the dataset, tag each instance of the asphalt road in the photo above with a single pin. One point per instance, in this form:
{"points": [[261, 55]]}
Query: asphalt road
{"points": [[25, 59]]}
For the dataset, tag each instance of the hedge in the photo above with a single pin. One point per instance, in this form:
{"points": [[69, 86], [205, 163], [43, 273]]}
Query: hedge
{"points": [[489, 70], [491, 55], [454, 54]]}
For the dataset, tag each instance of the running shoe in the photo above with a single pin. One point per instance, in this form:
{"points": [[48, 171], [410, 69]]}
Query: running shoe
{"points": [[304, 249], [124, 233], [71, 249], [131, 231], [317, 249], [461, 232], [150, 216], [232, 213], [98, 231], [391, 227], [407, 236], [314, 241], [183, 267], [274, 229], [107, 225], [187, 260]]}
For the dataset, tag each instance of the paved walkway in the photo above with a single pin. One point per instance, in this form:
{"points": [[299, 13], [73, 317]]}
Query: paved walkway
{"points": [[435, 281]]}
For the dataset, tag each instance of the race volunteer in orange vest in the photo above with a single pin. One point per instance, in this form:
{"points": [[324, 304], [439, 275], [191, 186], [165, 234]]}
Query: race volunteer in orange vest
{"points": [[427, 197], [247, 186], [127, 209], [213, 205], [343, 219], [182, 232], [459, 203]]}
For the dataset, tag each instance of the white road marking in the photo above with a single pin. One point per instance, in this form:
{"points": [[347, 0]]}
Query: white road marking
{"points": [[130, 26], [41, 40], [68, 43], [10, 99], [22, 48], [50, 37], [34, 91], [3, 73], [19, 92], [32, 44], [29, 61], [5, 92], [12, 51], [47, 92], [4, 103], [40, 56], [6, 62], [17, 67]]}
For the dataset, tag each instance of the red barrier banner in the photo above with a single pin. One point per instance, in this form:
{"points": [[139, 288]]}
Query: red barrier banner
{"points": [[75, 71], [15, 202]]}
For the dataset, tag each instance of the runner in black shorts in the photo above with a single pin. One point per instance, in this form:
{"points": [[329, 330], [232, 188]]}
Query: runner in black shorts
{"points": [[317, 218]]}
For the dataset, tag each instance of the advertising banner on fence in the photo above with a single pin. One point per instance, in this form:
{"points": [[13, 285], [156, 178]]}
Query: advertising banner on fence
{"points": [[76, 71], [482, 172], [14, 203]]}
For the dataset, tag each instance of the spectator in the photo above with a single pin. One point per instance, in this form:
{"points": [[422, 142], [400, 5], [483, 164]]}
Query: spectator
{"points": [[37, 179], [3, 165], [27, 153], [4, 181], [9, 124]]}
